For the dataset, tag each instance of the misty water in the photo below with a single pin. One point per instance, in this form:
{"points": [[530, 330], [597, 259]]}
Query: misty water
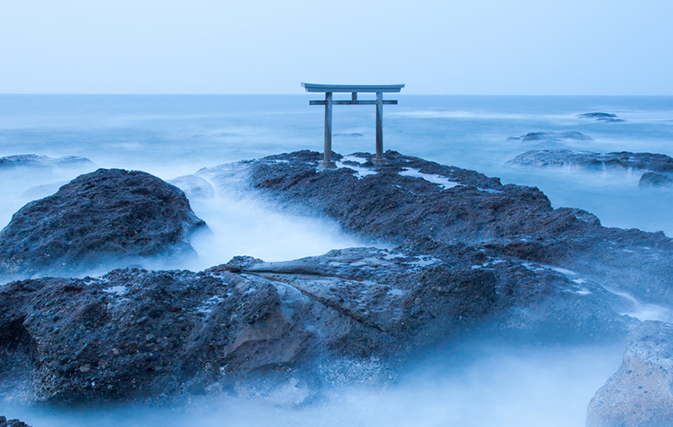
{"points": [[465, 384]]}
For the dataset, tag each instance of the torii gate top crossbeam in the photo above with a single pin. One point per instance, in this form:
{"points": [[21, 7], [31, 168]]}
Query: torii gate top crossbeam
{"points": [[353, 89], [313, 87]]}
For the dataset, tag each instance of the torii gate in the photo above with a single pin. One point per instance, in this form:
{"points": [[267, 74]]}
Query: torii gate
{"points": [[353, 89]]}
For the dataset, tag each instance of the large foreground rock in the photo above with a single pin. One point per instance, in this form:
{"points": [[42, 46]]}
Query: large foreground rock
{"points": [[109, 216], [595, 161], [472, 255], [135, 334], [640, 394]]}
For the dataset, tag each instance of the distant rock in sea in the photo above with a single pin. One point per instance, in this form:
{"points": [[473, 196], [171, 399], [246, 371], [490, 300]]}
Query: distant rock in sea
{"points": [[601, 117], [652, 179], [551, 136], [639, 393], [33, 161], [107, 216], [595, 161]]}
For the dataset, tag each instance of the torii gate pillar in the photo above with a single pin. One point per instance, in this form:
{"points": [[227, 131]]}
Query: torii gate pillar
{"points": [[353, 89]]}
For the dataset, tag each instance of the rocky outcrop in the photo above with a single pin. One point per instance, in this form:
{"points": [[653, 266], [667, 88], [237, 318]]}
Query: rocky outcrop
{"points": [[652, 179], [106, 217], [134, 334], [595, 161], [33, 161], [640, 394], [551, 136], [410, 199], [601, 117], [4, 422], [472, 255]]}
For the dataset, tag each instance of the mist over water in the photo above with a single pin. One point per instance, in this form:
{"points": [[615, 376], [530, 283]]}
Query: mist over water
{"points": [[471, 384]]}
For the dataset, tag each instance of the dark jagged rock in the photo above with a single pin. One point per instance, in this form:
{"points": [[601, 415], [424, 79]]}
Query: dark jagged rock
{"points": [[394, 202], [639, 393], [551, 136], [108, 216], [595, 161], [4, 422], [43, 162], [602, 117], [135, 334], [652, 179], [473, 254]]}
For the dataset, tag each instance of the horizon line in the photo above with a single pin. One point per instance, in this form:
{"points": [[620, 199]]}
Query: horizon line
{"points": [[304, 94]]}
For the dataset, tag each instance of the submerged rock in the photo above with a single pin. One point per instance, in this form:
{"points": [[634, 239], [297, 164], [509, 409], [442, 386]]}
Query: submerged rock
{"points": [[551, 136], [108, 216], [601, 117], [43, 162], [595, 161], [639, 394], [651, 179]]}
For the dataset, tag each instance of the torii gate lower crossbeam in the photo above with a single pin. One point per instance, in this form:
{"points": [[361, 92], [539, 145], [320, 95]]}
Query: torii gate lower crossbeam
{"points": [[353, 89]]}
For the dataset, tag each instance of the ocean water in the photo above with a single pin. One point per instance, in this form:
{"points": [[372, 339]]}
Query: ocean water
{"points": [[171, 136], [175, 135]]}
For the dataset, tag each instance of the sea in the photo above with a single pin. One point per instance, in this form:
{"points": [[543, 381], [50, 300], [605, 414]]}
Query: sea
{"points": [[462, 385]]}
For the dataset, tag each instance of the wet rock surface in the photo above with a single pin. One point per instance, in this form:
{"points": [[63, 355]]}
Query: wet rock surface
{"points": [[551, 136], [471, 255], [32, 161], [595, 161], [107, 216], [410, 199], [639, 393], [135, 334]]}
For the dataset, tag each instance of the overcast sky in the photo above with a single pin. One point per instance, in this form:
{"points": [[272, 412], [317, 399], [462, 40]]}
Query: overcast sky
{"points": [[490, 47]]}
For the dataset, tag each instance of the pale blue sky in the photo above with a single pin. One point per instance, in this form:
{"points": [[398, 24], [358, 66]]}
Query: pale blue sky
{"points": [[527, 47]]}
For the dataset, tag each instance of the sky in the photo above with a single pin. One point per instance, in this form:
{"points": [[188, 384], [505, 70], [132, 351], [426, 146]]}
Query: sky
{"points": [[466, 47]]}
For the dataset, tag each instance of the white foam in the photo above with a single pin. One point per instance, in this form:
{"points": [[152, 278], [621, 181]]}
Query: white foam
{"points": [[433, 178], [424, 261], [355, 159], [117, 290], [360, 172], [644, 311], [489, 190]]}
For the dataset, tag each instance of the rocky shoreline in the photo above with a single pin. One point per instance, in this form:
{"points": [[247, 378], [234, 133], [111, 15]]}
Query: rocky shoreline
{"points": [[470, 254]]}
